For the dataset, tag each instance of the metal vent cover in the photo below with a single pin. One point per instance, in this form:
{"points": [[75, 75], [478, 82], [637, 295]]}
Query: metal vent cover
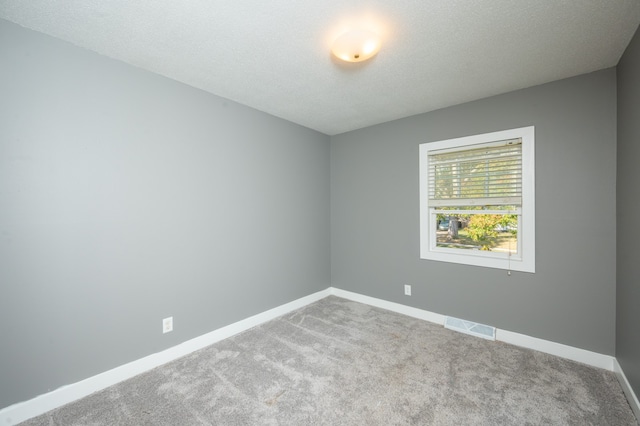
{"points": [[469, 327]]}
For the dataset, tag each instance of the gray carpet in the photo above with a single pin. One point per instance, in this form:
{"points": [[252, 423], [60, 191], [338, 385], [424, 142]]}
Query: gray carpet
{"points": [[337, 362]]}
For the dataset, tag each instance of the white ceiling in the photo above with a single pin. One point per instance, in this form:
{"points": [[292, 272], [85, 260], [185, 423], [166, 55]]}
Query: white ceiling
{"points": [[275, 55]]}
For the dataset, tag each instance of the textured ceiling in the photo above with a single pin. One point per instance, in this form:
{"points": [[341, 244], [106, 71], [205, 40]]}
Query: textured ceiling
{"points": [[275, 55]]}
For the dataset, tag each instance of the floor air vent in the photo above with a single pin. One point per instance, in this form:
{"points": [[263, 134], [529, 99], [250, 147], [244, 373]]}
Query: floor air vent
{"points": [[470, 327]]}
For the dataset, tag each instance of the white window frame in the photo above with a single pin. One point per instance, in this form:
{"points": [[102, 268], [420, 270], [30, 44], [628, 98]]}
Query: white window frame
{"points": [[524, 261]]}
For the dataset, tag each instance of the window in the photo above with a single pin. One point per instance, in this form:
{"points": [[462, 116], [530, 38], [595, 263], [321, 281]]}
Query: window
{"points": [[477, 201]]}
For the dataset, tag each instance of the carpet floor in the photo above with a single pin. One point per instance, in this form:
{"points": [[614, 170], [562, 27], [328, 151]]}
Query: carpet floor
{"points": [[337, 362]]}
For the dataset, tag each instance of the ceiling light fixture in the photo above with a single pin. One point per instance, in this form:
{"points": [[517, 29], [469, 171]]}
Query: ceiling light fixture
{"points": [[356, 45]]}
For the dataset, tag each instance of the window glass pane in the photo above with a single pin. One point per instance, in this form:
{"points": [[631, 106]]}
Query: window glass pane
{"points": [[496, 233]]}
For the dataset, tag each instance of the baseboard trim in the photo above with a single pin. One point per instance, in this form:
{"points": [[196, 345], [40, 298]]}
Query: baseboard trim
{"points": [[390, 306], [632, 398], [22, 411], [593, 359], [569, 352]]}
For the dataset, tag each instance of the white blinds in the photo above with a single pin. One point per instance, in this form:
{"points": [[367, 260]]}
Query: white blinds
{"points": [[486, 174]]}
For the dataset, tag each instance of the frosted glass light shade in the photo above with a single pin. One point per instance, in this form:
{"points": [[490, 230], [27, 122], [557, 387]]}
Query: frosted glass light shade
{"points": [[356, 45]]}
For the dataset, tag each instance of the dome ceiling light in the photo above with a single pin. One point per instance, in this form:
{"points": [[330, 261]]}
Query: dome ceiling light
{"points": [[356, 45]]}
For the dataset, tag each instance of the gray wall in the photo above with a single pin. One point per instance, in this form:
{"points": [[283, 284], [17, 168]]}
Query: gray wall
{"points": [[125, 198], [571, 297], [628, 295]]}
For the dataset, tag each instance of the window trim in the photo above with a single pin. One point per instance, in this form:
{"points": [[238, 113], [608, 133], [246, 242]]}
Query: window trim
{"points": [[525, 262]]}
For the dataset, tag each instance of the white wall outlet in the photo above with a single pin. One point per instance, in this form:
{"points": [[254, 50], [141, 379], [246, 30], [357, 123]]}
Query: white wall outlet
{"points": [[167, 325], [407, 290]]}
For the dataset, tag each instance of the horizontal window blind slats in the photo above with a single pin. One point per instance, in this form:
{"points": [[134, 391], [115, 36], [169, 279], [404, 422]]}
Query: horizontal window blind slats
{"points": [[477, 194], [497, 144], [450, 184], [467, 199], [490, 173], [513, 177], [462, 212], [479, 170], [454, 185], [498, 201], [465, 160], [454, 192], [478, 152]]}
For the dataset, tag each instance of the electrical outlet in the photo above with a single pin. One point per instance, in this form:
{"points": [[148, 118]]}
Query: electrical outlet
{"points": [[167, 325], [407, 290]]}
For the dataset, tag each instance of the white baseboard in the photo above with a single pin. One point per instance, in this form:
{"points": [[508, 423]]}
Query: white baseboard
{"points": [[390, 306], [22, 411], [569, 352], [626, 388], [593, 359]]}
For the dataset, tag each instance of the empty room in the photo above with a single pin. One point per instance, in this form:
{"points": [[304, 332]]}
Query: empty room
{"points": [[303, 213]]}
